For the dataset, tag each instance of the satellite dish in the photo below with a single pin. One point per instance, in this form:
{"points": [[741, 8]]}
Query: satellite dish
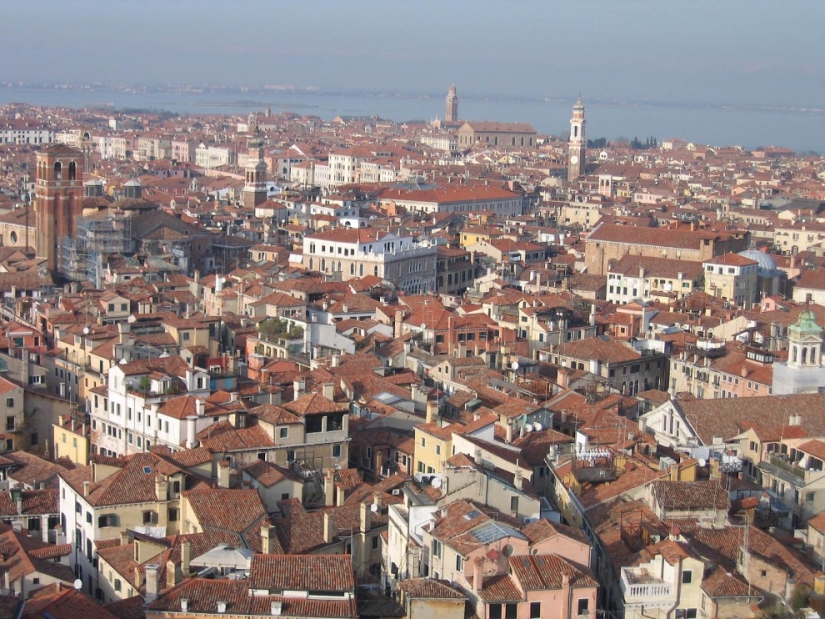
{"points": [[514, 365], [436, 482], [528, 428], [702, 462], [78, 584], [122, 362], [537, 427], [423, 326], [86, 330], [374, 508]]}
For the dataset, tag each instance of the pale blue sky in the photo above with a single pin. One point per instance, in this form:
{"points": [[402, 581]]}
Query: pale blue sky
{"points": [[742, 52]]}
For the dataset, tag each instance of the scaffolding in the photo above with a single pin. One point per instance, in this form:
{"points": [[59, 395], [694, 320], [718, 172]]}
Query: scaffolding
{"points": [[84, 256]]}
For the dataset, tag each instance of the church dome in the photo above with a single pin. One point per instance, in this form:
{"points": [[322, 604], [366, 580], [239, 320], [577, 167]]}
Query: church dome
{"points": [[766, 267]]}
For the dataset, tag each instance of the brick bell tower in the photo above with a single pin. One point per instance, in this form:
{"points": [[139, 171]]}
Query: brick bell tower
{"points": [[58, 200], [254, 190], [451, 111]]}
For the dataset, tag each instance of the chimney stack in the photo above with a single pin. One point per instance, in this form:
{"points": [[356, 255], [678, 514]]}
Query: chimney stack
{"points": [[223, 474], [173, 575], [432, 411], [267, 538], [377, 500], [199, 407], [328, 391], [398, 324], [329, 488], [161, 488], [152, 588], [298, 387], [185, 555], [86, 485], [518, 479], [478, 574], [328, 536], [366, 517], [190, 431]]}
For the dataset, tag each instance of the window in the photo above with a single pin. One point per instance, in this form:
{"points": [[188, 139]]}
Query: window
{"points": [[89, 517], [173, 514], [118, 585], [582, 606], [436, 548], [438, 450], [459, 563], [336, 451], [513, 503], [107, 520], [535, 610], [35, 581], [150, 517], [690, 613], [283, 432], [375, 539], [687, 577]]}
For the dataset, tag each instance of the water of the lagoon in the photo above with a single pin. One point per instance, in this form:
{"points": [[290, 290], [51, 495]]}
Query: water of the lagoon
{"points": [[801, 130]]}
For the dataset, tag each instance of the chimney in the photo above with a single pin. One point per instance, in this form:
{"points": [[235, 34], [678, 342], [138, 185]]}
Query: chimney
{"points": [[199, 407], [398, 324], [477, 456], [432, 411], [267, 539], [335, 361], [173, 575], [223, 474], [340, 495], [328, 537], [190, 431], [298, 387], [819, 583], [86, 485], [377, 501], [329, 489], [478, 574], [124, 538], [518, 479], [565, 595], [276, 608], [509, 431], [366, 517], [328, 391], [152, 589], [184, 605], [185, 555], [161, 488]]}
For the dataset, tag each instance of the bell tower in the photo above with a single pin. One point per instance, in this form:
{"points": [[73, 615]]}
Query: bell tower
{"points": [[577, 144], [451, 112], [254, 190], [58, 200]]}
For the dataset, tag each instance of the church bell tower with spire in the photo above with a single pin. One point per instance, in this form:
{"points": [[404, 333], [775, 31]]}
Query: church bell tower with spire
{"points": [[578, 142]]}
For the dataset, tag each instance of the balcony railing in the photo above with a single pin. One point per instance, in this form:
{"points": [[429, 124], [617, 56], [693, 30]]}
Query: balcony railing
{"points": [[642, 588], [786, 466]]}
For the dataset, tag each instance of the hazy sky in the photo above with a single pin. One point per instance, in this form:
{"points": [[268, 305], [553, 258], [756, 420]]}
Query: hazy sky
{"points": [[762, 52]]}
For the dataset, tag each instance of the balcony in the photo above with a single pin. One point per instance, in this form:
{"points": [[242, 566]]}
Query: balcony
{"points": [[640, 588], [784, 470]]}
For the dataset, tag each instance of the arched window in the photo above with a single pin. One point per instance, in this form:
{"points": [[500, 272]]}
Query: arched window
{"points": [[804, 355], [311, 261], [352, 268], [793, 354], [375, 270], [624, 388], [58, 171], [72, 171], [361, 270], [324, 264]]}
